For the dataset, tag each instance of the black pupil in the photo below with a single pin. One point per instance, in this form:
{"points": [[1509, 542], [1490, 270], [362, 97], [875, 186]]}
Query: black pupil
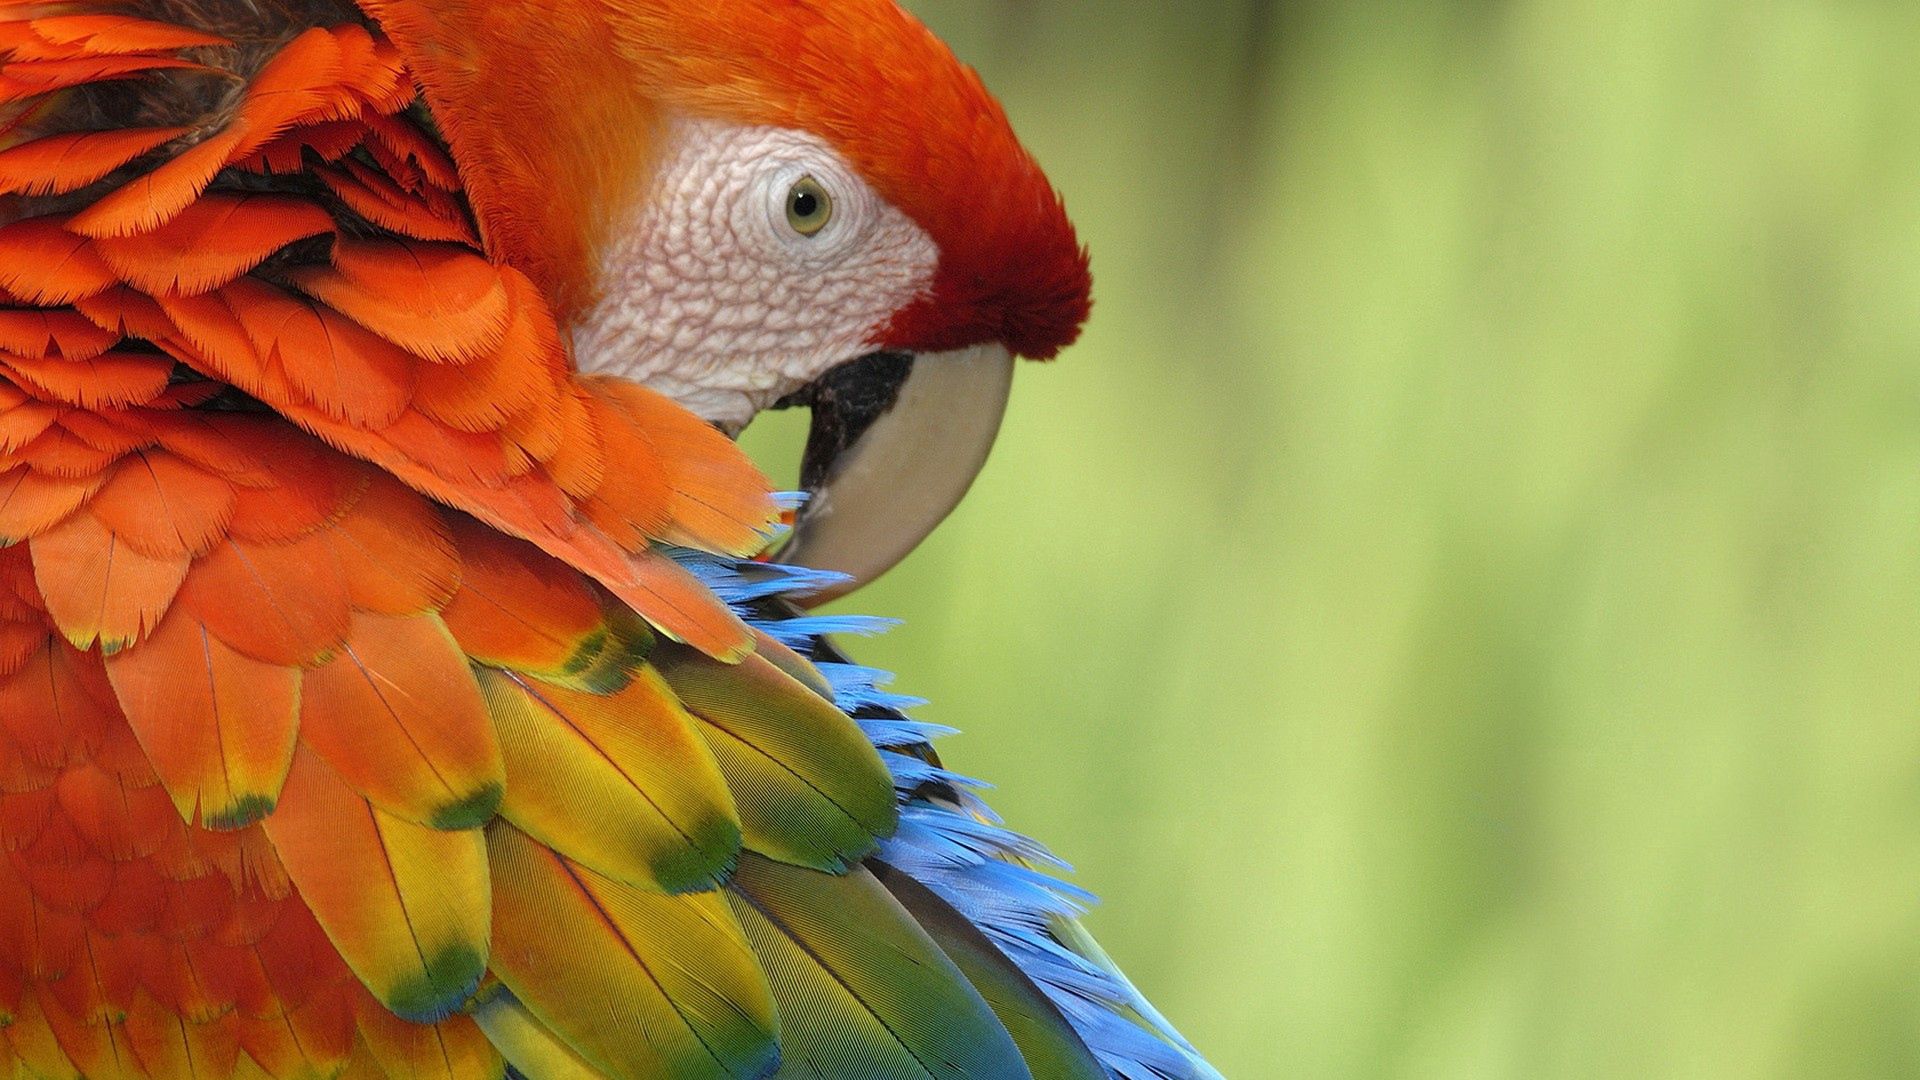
{"points": [[805, 204]]}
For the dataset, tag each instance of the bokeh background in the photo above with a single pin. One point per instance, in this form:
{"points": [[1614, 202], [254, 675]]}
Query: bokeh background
{"points": [[1460, 605]]}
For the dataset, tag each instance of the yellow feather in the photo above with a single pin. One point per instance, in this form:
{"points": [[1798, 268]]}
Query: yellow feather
{"points": [[527, 1043], [406, 905], [620, 783], [637, 982]]}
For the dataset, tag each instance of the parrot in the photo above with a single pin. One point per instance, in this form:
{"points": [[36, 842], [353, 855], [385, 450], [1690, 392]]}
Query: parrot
{"points": [[398, 674]]}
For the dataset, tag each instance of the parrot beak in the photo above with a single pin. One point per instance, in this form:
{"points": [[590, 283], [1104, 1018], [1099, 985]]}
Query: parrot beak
{"points": [[895, 443]]}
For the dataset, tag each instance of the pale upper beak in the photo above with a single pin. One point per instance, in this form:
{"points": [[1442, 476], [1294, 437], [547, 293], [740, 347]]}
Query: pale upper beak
{"points": [[895, 443]]}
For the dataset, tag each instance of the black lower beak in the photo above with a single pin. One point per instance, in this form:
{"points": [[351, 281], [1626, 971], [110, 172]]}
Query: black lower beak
{"points": [[845, 402]]}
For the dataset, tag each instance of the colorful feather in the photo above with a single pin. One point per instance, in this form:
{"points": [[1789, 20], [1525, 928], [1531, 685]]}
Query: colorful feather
{"points": [[218, 725], [531, 1047], [862, 990], [638, 983], [822, 796], [406, 905], [398, 717], [1048, 1044], [619, 783]]}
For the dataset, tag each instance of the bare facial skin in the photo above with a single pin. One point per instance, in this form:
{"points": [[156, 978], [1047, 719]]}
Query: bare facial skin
{"points": [[715, 298]]}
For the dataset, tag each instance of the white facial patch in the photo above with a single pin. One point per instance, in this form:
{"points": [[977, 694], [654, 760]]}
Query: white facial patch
{"points": [[715, 295]]}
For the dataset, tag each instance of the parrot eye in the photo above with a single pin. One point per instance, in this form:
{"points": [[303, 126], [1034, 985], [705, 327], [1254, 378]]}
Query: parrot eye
{"points": [[809, 207]]}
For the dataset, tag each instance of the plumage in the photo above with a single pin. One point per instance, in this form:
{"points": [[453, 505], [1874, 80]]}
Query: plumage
{"points": [[281, 603], [106, 380], [42, 263], [1046, 1040], [217, 724], [862, 990], [100, 589], [637, 982], [382, 696], [214, 240], [532, 1048], [161, 505], [821, 797], [397, 715], [453, 1049], [440, 302], [57, 164], [620, 783], [406, 905]]}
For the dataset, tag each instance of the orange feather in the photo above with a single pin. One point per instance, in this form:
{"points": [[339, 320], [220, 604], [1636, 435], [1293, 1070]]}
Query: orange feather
{"points": [[62, 869], [57, 164], [407, 906], [99, 589], [47, 710], [519, 608], [42, 263], [280, 603], [95, 1049], [632, 503], [213, 240], [298, 81], [217, 725], [329, 140], [375, 196], [33, 502], [397, 140], [23, 814], [397, 715], [161, 505], [718, 500], [57, 452], [311, 486], [440, 301], [35, 77], [53, 332], [345, 370], [108, 34], [24, 421], [396, 552], [107, 380], [493, 390], [311, 1039], [167, 1044], [453, 1049], [122, 823]]}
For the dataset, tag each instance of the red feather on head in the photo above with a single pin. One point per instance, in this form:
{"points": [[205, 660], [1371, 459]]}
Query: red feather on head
{"points": [[874, 82]]}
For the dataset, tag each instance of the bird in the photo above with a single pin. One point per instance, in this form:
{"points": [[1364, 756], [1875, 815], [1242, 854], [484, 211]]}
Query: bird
{"points": [[403, 672]]}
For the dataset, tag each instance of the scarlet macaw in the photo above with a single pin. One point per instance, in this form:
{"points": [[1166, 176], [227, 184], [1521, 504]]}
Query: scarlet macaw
{"points": [[386, 685]]}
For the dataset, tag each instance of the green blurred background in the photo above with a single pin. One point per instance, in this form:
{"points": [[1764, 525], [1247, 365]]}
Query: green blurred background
{"points": [[1460, 605]]}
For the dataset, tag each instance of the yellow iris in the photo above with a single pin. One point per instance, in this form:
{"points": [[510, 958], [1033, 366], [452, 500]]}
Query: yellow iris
{"points": [[809, 207]]}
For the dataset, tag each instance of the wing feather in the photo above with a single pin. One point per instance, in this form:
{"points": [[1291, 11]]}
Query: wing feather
{"points": [[638, 983], [406, 905]]}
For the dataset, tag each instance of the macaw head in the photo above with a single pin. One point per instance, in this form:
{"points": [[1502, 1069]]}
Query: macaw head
{"points": [[764, 203]]}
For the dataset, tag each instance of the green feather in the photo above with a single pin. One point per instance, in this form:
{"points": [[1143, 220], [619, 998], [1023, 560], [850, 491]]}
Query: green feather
{"points": [[862, 990], [1052, 1049], [810, 788]]}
